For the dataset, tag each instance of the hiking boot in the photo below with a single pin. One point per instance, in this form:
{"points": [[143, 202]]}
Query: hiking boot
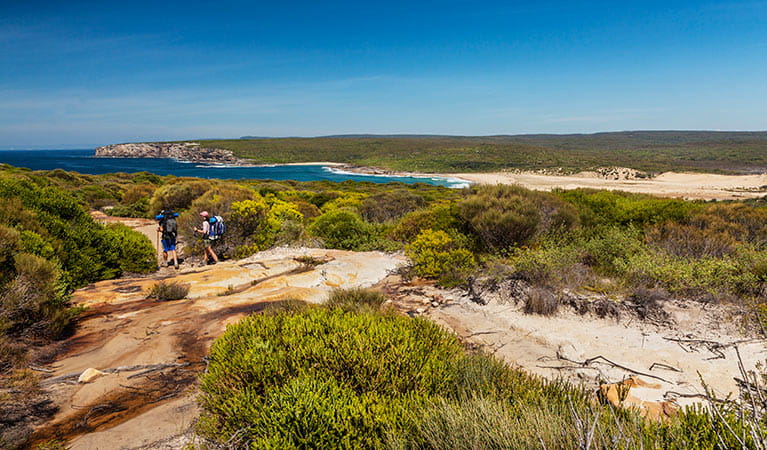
{"points": [[176, 266]]}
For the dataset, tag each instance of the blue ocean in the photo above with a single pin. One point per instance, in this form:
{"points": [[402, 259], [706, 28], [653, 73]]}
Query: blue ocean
{"points": [[83, 161]]}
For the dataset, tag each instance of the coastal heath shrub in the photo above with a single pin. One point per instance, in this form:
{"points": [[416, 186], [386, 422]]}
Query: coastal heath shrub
{"points": [[138, 254], [551, 265], [318, 413], [344, 200], [611, 208], [285, 221], [34, 302], [218, 201], [163, 291], [435, 254], [605, 248], [689, 276], [137, 193], [504, 216], [178, 196], [356, 300], [745, 223], [386, 206], [442, 216], [247, 224], [260, 222], [691, 241], [273, 378], [10, 244], [341, 228]]}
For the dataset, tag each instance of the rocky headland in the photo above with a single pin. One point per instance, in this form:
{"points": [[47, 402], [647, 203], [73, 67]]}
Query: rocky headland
{"points": [[182, 151]]}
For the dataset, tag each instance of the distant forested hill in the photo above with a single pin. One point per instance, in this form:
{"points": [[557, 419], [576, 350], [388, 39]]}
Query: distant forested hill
{"points": [[652, 151]]}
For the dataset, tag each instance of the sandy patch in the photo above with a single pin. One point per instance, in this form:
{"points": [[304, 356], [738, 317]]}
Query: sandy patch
{"points": [[553, 346], [670, 184]]}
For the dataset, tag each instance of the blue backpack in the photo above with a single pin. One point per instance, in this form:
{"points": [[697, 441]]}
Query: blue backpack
{"points": [[217, 227]]}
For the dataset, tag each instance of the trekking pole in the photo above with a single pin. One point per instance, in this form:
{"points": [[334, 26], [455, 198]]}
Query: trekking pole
{"points": [[157, 246]]}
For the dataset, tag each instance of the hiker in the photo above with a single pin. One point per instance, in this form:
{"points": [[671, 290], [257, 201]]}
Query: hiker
{"points": [[207, 238], [169, 228]]}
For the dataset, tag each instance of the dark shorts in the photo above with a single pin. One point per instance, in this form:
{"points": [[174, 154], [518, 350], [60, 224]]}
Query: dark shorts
{"points": [[169, 244]]}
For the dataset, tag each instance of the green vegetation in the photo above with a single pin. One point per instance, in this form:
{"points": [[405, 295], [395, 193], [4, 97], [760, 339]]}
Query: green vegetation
{"points": [[651, 151], [436, 255], [49, 246], [575, 239], [349, 376]]}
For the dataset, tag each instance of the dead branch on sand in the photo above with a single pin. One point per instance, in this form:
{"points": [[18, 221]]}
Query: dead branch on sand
{"points": [[692, 345], [599, 358]]}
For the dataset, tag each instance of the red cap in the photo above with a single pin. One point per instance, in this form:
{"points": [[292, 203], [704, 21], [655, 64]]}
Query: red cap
{"points": [[204, 214]]}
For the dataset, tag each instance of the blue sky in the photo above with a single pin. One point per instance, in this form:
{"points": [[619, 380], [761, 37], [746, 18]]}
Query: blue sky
{"points": [[80, 74]]}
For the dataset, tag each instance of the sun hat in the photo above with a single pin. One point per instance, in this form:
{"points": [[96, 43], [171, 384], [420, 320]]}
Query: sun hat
{"points": [[204, 214]]}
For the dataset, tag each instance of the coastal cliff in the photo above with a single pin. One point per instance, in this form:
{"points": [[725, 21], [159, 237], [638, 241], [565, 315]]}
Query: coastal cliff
{"points": [[184, 151]]}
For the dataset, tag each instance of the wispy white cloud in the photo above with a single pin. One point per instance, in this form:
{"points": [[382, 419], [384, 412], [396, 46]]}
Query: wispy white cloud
{"points": [[605, 116]]}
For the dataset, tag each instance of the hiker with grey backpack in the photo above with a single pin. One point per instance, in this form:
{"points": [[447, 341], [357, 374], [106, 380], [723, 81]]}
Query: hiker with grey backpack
{"points": [[212, 230], [166, 224]]}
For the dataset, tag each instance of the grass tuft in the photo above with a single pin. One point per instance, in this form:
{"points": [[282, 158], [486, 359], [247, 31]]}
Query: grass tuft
{"points": [[168, 291]]}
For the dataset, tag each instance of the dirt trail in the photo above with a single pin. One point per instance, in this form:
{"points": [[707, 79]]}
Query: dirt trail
{"points": [[147, 227]]}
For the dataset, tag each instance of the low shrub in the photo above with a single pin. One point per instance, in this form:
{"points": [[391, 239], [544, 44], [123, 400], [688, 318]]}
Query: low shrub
{"points": [[689, 276], [342, 229], [598, 209], [178, 196], [137, 253], [552, 263], [167, 291], [440, 217], [35, 302], [690, 241], [355, 299], [344, 200], [541, 301], [604, 250], [387, 206], [436, 255], [504, 217], [322, 375], [326, 378], [137, 210]]}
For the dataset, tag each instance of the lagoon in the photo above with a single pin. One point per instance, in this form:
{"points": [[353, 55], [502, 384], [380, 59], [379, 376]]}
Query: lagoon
{"points": [[83, 161]]}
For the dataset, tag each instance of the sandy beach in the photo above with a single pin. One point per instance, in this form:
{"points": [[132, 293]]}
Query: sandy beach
{"points": [[694, 186]]}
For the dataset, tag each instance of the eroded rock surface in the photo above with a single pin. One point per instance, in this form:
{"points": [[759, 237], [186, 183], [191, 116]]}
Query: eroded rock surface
{"points": [[152, 352]]}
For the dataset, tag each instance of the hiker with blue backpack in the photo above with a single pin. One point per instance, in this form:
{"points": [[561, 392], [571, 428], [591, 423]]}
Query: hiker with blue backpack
{"points": [[212, 230], [166, 224]]}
